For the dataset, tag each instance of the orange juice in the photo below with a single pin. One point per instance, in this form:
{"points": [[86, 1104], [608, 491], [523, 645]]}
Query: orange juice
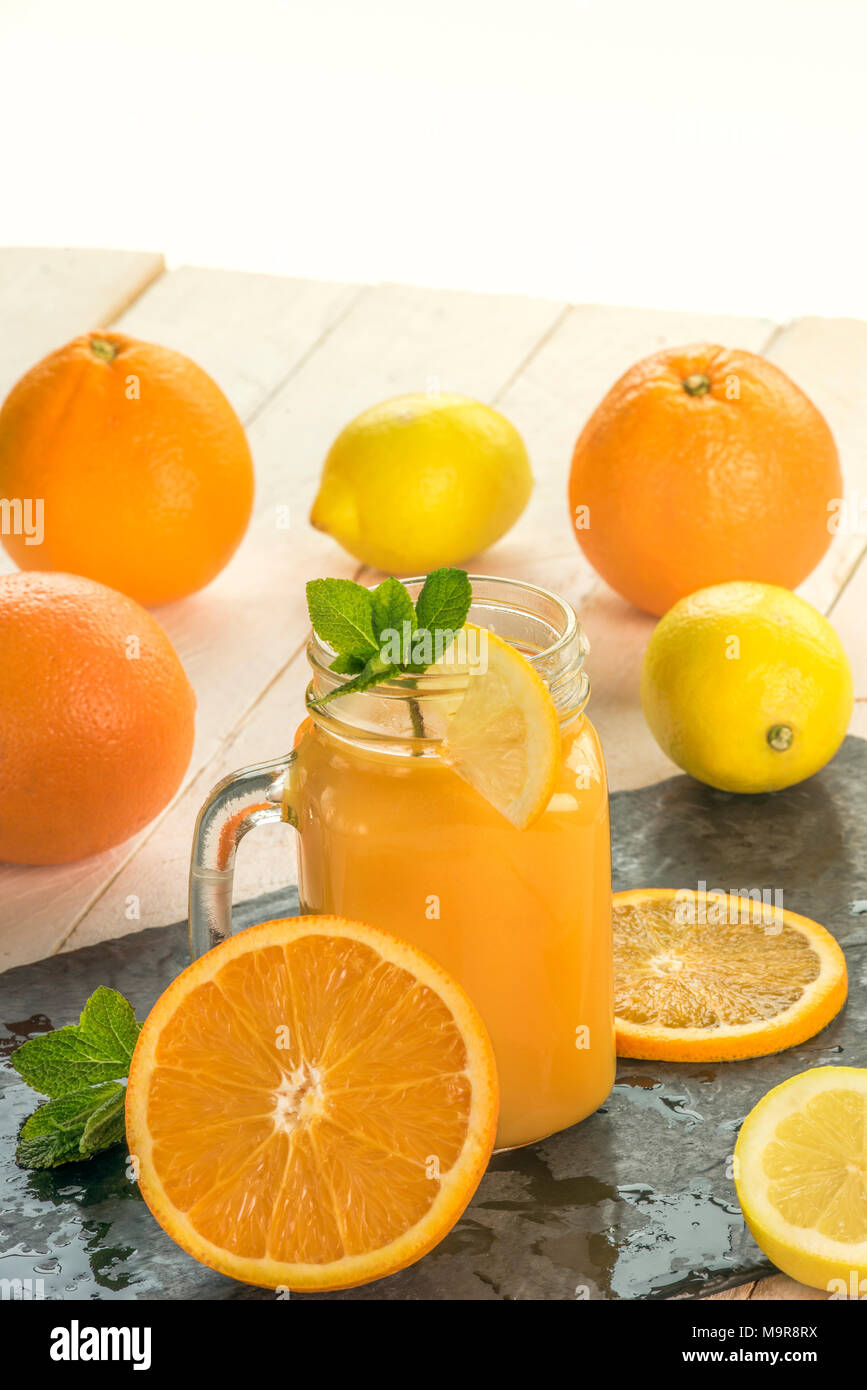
{"points": [[388, 833], [521, 918]]}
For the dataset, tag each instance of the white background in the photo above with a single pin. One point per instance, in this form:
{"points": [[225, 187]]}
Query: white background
{"points": [[670, 153]]}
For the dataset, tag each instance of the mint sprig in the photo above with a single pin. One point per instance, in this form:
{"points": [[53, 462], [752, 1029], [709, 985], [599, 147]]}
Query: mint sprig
{"points": [[444, 601], [81, 1068], [72, 1127], [391, 607], [360, 624], [343, 616]]}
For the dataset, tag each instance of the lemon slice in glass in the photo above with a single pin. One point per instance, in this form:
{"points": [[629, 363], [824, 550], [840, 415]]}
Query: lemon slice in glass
{"points": [[504, 739]]}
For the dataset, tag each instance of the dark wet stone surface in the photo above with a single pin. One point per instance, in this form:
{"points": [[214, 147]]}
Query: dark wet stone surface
{"points": [[636, 1202]]}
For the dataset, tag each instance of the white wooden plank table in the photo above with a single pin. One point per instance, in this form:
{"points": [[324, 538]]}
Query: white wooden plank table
{"points": [[47, 297], [298, 359]]}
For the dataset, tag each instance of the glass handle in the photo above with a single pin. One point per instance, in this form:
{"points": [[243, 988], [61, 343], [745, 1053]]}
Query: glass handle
{"points": [[246, 798]]}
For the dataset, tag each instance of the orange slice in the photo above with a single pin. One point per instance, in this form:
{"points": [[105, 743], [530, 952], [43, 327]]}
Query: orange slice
{"points": [[312, 1105], [716, 977]]}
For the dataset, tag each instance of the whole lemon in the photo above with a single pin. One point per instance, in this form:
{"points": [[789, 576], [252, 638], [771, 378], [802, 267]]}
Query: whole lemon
{"points": [[422, 481], [746, 687]]}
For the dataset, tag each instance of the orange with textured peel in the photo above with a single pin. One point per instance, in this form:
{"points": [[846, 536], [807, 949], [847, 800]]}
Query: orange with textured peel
{"points": [[703, 464], [140, 461], [96, 718], [312, 1105]]}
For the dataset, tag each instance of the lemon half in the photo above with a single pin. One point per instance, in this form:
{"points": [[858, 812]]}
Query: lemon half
{"points": [[801, 1177]]}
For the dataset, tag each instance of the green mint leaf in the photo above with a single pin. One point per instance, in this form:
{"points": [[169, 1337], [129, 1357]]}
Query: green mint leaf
{"points": [[96, 1049], [341, 612], [392, 607], [109, 1022], [375, 670], [444, 602], [347, 665], [353, 620], [105, 1125], [441, 609], [53, 1133]]}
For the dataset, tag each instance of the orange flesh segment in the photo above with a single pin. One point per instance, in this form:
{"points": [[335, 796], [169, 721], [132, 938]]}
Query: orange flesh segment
{"points": [[719, 977], [706, 975], [298, 1100]]}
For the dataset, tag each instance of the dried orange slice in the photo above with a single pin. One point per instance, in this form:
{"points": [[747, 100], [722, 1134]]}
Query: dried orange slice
{"points": [[311, 1105], [719, 976]]}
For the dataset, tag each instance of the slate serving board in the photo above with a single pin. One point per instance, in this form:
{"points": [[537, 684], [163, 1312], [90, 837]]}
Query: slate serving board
{"points": [[636, 1202]]}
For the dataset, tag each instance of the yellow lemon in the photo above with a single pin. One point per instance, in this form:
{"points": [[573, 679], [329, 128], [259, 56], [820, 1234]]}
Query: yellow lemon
{"points": [[746, 687], [801, 1176], [422, 481]]}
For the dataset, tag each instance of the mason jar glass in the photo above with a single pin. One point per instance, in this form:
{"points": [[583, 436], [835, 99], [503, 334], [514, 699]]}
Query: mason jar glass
{"points": [[389, 834]]}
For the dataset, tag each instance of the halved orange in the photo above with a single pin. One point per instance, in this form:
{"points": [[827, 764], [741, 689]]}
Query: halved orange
{"points": [[718, 976], [312, 1105]]}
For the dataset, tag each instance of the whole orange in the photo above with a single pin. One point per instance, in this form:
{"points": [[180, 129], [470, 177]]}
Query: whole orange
{"points": [[96, 718], [141, 464], [701, 465]]}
